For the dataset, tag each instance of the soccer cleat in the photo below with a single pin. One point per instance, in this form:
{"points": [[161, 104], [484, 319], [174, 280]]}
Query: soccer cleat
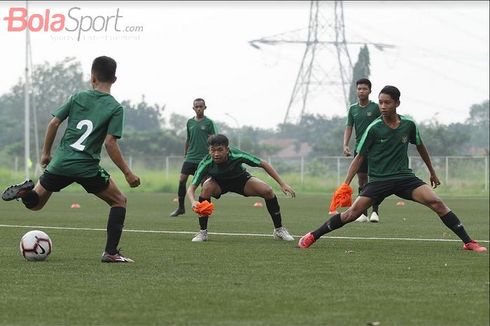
{"points": [[374, 217], [18, 190], [307, 240], [362, 218], [201, 236], [177, 212], [116, 258], [282, 234], [474, 246]]}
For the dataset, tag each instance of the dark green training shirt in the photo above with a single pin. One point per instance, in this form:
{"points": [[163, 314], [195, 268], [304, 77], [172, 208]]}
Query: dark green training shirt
{"points": [[361, 117], [228, 170], [91, 116], [197, 138], [387, 148]]}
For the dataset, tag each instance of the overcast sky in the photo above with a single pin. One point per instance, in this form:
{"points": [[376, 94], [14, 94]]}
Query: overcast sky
{"points": [[178, 51]]}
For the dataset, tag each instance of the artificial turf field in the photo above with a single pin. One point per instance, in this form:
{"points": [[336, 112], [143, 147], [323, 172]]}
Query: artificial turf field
{"points": [[406, 270]]}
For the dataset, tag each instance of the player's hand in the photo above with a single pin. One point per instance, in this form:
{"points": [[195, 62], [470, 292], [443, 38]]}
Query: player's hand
{"points": [[434, 181], [44, 161], [132, 179], [347, 151], [288, 191]]}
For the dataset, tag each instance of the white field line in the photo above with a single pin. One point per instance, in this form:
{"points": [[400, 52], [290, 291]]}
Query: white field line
{"points": [[221, 233]]}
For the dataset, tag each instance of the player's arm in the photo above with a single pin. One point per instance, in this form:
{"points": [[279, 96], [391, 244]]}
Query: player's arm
{"points": [[49, 137], [424, 154], [186, 147], [115, 154], [347, 135], [354, 167], [191, 194], [286, 189]]}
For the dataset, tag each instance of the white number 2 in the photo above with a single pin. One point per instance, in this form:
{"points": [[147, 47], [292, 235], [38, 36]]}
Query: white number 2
{"points": [[78, 144]]}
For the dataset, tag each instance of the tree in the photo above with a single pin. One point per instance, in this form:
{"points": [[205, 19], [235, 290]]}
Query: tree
{"points": [[142, 116], [360, 70]]}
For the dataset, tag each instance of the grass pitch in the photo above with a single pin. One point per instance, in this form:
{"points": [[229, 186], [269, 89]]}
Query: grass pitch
{"points": [[406, 270]]}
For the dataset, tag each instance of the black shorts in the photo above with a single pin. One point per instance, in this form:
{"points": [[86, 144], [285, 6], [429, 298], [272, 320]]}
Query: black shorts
{"points": [[236, 185], [93, 185], [189, 168], [403, 188], [364, 166]]}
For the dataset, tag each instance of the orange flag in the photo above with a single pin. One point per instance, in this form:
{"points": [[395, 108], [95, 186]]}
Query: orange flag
{"points": [[342, 197], [204, 208]]}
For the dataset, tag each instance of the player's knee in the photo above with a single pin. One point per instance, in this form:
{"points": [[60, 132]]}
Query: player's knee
{"points": [[437, 204], [120, 200], [268, 193]]}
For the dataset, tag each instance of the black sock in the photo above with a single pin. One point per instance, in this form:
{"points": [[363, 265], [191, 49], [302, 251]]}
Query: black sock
{"points": [[375, 208], [181, 194], [332, 224], [274, 211], [115, 225], [30, 199], [452, 222], [203, 220]]}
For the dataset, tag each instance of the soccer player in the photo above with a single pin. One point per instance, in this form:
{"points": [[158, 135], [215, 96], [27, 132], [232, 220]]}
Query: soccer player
{"points": [[94, 118], [225, 173], [386, 143], [199, 128], [360, 115]]}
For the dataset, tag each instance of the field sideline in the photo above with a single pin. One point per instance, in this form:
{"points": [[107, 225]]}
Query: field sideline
{"points": [[406, 270]]}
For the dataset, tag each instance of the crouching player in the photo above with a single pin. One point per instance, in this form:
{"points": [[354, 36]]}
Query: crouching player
{"points": [[223, 167]]}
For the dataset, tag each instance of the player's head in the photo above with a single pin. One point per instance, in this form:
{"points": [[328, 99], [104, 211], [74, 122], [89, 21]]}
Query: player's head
{"points": [[389, 100], [104, 70], [363, 88], [199, 105], [218, 148]]}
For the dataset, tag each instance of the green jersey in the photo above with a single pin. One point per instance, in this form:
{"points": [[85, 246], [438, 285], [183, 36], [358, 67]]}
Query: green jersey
{"points": [[361, 117], [228, 170], [91, 116], [387, 148], [197, 138]]}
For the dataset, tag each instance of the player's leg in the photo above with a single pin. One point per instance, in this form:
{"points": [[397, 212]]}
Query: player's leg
{"points": [[35, 197], [362, 179], [372, 192], [106, 189], [426, 196], [256, 187], [336, 221], [210, 188], [187, 169]]}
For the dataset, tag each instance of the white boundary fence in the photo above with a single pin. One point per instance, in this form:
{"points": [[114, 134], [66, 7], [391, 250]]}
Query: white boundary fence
{"points": [[453, 171]]}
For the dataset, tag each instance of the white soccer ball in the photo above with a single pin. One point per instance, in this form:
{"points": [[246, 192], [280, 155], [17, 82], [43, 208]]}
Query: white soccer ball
{"points": [[35, 245]]}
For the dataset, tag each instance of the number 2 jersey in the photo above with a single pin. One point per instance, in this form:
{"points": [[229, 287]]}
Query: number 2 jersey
{"points": [[91, 116]]}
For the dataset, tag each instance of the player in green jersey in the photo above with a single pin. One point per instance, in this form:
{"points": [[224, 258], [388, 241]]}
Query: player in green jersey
{"points": [[224, 172], [199, 128], [359, 117], [386, 143], [94, 118]]}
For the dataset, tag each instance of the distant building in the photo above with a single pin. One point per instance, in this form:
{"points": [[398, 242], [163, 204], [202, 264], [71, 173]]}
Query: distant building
{"points": [[284, 148]]}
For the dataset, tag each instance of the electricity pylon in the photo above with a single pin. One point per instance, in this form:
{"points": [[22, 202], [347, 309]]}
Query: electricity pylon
{"points": [[326, 60]]}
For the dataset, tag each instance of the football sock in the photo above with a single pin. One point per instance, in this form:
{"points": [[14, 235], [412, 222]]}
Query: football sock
{"points": [[30, 199], [181, 194], [115, 225], [375, 208], [332, 224], [203, 220], [274, 210], [453, 223]]}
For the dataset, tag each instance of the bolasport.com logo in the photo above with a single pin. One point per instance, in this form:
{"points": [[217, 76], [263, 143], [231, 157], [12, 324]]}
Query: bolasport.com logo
{"points": [[74, 24]]}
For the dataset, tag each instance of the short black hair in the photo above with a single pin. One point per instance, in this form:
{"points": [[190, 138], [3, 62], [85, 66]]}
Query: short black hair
{"points": [[104, 69], [218, 140], [391, 91], [364, 81], [199, 100]]}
